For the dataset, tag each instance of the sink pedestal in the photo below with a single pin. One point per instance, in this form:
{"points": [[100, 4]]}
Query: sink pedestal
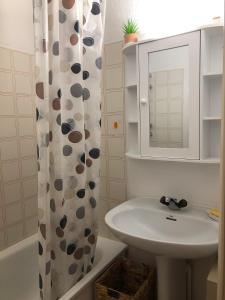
{"points": [[171, 276]]}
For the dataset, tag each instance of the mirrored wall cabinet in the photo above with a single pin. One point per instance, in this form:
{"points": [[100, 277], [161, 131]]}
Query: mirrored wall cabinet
{"points": [[173, 96]]}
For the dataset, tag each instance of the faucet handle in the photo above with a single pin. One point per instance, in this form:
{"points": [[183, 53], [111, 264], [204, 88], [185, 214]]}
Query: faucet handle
{"points": [[164, 200], [182, 203]]}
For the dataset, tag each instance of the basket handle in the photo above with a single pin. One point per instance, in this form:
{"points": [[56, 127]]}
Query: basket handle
{"points": [[112, 293]]}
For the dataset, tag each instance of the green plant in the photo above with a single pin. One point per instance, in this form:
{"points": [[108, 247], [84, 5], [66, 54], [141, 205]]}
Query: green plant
{"points": [[130, 27]]}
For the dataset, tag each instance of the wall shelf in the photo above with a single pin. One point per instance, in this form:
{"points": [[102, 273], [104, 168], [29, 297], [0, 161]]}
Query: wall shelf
{"points": [[195, 161], [211, 118], [131, 86]]}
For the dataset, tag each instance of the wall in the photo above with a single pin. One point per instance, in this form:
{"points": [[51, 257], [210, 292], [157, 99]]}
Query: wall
{"points": [[113, 171], [18, 168], [16, 25], [159, 18], [18, 173]]}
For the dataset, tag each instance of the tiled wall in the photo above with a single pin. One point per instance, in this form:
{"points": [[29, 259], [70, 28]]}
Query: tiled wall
{"points": [[113, 171], [18, 168]]}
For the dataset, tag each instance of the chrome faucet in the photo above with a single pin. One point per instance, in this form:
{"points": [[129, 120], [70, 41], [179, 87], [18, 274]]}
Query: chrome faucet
{"points": [[173, 203]]}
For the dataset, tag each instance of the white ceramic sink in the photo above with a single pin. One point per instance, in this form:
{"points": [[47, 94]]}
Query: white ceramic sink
{"points": [[148, 225]]}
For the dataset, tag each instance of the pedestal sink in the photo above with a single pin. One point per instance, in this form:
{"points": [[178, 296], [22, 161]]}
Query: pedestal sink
{"points": [[173, 236]]}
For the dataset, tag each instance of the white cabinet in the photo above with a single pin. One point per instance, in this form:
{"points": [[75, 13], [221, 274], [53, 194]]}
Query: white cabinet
{"points": [[173, 91], [169, 97]]}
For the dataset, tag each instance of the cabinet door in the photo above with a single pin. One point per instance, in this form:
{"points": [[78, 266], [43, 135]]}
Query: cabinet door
{"points": [[169, 96]]}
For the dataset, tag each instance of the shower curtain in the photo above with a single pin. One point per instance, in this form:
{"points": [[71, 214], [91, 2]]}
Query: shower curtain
{"points": [[68, 43]]}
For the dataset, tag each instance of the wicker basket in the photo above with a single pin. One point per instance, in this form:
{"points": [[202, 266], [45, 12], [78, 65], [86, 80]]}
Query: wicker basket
{"points": [[126, 280]]}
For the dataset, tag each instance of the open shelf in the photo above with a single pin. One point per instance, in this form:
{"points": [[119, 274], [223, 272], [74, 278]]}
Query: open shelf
{"points": [[212, 54], [211, 140], [129, 48]]}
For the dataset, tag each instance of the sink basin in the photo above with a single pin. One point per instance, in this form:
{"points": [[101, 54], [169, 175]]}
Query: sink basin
{"points": [[148, 225]]}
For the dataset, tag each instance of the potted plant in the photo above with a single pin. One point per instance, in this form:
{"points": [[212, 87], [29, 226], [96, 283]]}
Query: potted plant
{"points": [[130, 30]]}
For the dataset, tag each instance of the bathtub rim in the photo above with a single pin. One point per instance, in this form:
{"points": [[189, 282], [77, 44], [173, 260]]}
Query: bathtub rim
{"points": [[23, 244], [104, 263]]}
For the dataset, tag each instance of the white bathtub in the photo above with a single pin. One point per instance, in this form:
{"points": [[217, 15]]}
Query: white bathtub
{"points": [[19, 270]]}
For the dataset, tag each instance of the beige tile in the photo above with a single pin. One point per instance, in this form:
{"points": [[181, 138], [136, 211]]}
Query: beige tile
{"points": [[114, 101], [114, 78], [31, 226], [7, 127], [111, 124], [103, 146], [103, 187], [28, 147], [103, 125], [7, 105], [24, 105], [14, 234], [21, 62], [2, 240], [29, 187], [5, 60], [113, 53], [1, 218], [31, 207], [13, 213], [10, 171], [12, 192], [29, 167], [23, 84], [6, 83], [103, 166], [8, 150], [26, 126], [116, 168], [117, 190], [116, 146]]}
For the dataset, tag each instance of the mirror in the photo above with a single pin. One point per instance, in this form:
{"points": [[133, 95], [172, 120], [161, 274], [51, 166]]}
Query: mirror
{"points": [[168, 97]]}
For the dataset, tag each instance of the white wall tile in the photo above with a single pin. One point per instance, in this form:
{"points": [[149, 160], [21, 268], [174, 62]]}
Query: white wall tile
{"points": [[7, 127], [110, 125], [10, 171], [116, 146], [7, 105], [5, 59], [6, 83], [13, 213], [23, 84], [117, 190], [113, 54], [29, 167], [31, 207], [21, 62], [12, 192], [30, 187], [8, 150], [14, 234], [28, 147], [114, 101], [114, 78], [26, 126], [116, 168], [24, 105]]}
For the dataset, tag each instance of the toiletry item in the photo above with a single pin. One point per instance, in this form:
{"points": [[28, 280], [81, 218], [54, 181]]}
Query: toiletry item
{"points": [[214, 213]]}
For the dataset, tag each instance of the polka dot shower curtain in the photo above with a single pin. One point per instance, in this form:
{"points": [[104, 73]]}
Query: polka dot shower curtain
{"points": [[68, 43]]}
